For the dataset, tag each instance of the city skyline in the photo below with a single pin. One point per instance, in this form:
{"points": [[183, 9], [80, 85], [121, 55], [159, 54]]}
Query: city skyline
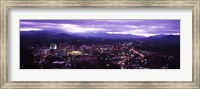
{"points": [[134, 27], [99, 44]]}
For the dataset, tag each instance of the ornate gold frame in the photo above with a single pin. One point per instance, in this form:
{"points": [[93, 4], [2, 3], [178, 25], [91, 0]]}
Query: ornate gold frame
{"points": [[6, 4]]}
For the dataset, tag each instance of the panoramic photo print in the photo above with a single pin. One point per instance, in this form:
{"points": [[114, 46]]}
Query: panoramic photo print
{"points": [[99, 44]]}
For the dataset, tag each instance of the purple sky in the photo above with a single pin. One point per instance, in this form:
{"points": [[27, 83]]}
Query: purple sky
{"points": [[134, 27]]}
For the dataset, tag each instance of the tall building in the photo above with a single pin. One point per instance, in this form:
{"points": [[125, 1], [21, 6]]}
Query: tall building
{"points": [[53, 46]]}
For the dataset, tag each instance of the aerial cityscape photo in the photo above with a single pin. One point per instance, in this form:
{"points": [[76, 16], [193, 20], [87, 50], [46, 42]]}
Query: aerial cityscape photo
{"points": [[99, 44]]}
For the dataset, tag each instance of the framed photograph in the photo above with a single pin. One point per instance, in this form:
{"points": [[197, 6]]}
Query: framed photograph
{"points": [[99, 44]]}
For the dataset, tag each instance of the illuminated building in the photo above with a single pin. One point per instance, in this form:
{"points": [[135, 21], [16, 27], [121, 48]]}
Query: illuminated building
{"points": [[53, 46], [75, 53]]}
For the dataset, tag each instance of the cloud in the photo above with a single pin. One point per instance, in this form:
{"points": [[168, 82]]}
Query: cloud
{"points": [[131, 26], [77, 28], [140, 27], [30, 29]]}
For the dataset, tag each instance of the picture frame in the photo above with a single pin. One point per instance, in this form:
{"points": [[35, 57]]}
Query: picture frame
{"points": [[4, 43]]}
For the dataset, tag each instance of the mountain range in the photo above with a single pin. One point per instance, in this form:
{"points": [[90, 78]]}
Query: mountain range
{"points": [[43, 34]]}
